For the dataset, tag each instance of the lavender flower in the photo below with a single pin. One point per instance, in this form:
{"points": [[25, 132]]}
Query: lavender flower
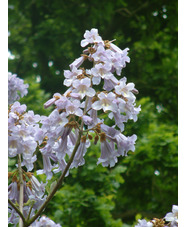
{"points": [[125, 90], [91, 37], [172, 217], [45, 222], [144, 223], [16, 88], [71, 75], [106, 102], [22, 128], [83, 88], [47, 167], [77, 63]]}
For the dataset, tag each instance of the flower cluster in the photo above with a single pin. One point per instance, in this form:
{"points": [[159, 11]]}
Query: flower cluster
{"points": [[79, 118], [23, 129], [16, 88], [82, 102], [33, 194], [171, 218]]}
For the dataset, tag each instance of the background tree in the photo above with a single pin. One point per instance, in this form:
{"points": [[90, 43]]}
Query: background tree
{"points": [[44, 38]]}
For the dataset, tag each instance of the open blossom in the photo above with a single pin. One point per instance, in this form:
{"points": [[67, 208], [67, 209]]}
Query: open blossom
{"points": [[71, 75], [144, 223], [82, 87], [106, 102], [100, 71], [91, 36], [101, 55], [126, 90], [74, 108], [172, 217]]}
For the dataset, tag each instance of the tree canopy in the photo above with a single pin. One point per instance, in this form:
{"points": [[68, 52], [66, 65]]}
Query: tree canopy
{"points": [[44, 38]]}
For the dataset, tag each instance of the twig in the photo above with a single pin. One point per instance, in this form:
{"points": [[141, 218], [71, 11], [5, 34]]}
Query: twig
{"points": [[16, 209], [60, 180]]}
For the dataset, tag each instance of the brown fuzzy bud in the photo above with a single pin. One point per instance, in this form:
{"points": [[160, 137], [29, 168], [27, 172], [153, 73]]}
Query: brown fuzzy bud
{"points": [[158, 222], [98, 130], [94, 99], [83, 139], [29, 184], [29, 174], [107, 43], [96, 138], [90, 137], [102, 136], [24, 177]]}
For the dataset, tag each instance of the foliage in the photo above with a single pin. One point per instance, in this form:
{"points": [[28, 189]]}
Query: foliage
{"points": [[44, 31], [151, 179], [144, 184]]}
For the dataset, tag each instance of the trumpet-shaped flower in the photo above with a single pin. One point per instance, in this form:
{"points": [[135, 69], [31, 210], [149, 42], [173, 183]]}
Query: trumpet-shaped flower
{"points": [[108, 154], [91, 36], [172, 217], [82, 87], [106, 102], [71, 75]]}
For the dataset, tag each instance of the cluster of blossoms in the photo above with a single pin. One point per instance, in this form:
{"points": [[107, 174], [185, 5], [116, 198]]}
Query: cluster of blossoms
{"points": [[82, 102], [33, 195], [16, 88], [23, 129], [23, 138], [75, 121], [171, 218]]}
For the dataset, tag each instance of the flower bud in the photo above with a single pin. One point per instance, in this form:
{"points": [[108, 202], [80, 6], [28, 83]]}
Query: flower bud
{"points": [[96, 138], [90, 137]]}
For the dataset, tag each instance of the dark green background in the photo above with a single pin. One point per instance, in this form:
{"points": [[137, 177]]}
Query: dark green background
{"points": [[43, 31]]}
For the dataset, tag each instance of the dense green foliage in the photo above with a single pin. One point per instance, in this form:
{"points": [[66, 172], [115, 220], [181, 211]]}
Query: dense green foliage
{"points": [[145, 182]]}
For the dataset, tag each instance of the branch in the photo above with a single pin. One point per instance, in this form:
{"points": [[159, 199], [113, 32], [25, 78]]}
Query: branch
{"points": [[60, 180], [16, 209], [21, 189]]}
